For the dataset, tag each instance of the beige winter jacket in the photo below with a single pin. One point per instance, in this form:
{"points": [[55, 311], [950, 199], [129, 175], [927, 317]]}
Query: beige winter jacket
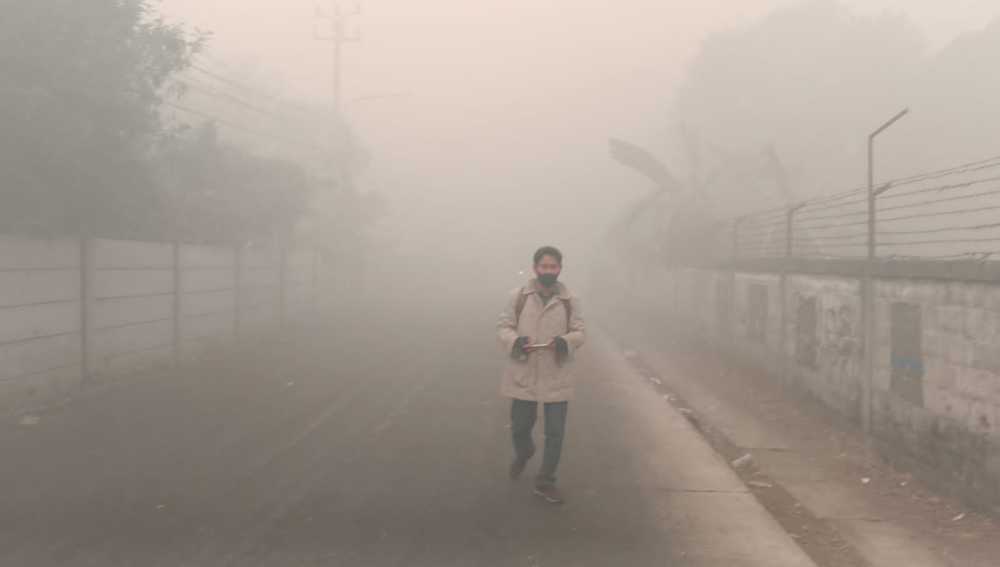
{"points": [[540, 378]]}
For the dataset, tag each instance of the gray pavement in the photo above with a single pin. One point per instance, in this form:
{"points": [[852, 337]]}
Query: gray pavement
{"points": [[375, 444]]}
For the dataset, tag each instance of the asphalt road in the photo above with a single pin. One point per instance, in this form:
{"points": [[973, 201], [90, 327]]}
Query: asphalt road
{"points": [[374, 443]]}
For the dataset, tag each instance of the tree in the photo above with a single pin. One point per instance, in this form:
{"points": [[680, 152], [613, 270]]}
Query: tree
{"points": [[79, 112], [214, 192], [810, 81], [957, 102]]}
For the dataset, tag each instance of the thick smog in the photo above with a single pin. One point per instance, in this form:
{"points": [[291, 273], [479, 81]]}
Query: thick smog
{"points": [[481, 283]]}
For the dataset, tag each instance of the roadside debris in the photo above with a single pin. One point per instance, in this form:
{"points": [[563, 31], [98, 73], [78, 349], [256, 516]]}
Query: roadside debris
{"points": [[742, 461]]}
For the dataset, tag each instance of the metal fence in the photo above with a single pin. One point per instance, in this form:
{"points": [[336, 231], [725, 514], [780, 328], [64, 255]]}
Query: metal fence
{"points": [[949, 214]]}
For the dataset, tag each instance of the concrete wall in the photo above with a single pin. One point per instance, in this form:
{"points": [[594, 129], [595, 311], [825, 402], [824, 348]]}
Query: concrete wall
{"points": [[824, 340], [755, 319], [132, 323], [208, 298], [299, 286], [40, 314], [936, 381], [73, 310], [943, 406], [260, 291]]}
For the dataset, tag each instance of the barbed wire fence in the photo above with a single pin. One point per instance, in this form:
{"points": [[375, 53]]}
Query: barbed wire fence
{"points": [[950, 214]]}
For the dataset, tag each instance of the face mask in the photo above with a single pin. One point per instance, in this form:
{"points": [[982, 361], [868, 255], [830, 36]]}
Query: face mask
{"points": [[548, 280]]}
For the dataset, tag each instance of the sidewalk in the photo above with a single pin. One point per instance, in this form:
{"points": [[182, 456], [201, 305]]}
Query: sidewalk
{"points": [[696, 500], [801, 455]]}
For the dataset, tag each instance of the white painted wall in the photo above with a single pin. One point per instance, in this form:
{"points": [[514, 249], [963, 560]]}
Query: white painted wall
{"points": [[40, 340], [145, 305]]}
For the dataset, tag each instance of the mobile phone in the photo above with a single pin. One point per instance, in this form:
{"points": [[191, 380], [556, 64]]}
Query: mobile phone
{"points": [[539, 346]]}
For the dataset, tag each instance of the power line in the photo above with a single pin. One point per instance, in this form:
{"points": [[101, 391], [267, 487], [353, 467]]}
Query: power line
{"points": [[238, 127], [240, 102], [233, 82], [247, 89]]}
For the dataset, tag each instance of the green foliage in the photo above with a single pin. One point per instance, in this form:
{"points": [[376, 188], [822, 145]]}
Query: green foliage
{"points": [[79, 112], [214, 192]]}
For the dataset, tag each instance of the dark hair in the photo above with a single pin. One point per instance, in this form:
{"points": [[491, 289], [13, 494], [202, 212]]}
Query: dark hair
{"points": [[548, 251]]}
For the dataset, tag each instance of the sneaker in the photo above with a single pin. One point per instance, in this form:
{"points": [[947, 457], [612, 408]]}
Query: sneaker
{"points": [[517, 466], [549, 493]]}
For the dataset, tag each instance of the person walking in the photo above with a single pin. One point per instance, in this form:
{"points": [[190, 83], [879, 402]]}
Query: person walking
{"points": [[540, 330]]}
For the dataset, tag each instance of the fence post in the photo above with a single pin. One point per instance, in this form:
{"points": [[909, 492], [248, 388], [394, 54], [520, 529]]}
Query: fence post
{"points": [[677, 293], [178, 296], [731, 334], [88, 302], [736, 240], [868, 284], [282, 283], [785, 360], [315, 279], [868, 314], [237, 292]]}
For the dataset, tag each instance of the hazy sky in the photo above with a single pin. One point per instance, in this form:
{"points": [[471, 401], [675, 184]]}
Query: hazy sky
{"points": [[511, 101]]}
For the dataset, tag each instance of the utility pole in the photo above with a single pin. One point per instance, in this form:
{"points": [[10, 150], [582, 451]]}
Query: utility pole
{"points": [[343, 169], [338, 37]]}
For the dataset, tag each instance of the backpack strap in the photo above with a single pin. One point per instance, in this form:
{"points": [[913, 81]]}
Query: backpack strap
{"points": [[568, 307], [522, 300]]}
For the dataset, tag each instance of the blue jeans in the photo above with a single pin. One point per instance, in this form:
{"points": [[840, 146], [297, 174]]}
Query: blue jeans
{"points": [[523, 415]]}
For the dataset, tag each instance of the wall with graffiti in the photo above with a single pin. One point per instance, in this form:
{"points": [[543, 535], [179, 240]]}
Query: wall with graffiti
{"points": [[824, 327], [936, 363]]}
